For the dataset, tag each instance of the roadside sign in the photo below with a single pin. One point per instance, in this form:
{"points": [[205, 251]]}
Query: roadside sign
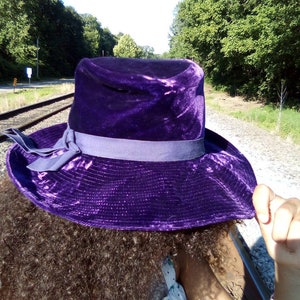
{"points": [[29, 73]]}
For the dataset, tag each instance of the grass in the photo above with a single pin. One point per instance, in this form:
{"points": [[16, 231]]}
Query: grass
{"points": [[264, 116], [268, 117], [23, 97]]}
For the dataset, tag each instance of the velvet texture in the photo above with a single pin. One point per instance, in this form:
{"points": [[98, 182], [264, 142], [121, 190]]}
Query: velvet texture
{"points": [[139, 99], [145, 100]]}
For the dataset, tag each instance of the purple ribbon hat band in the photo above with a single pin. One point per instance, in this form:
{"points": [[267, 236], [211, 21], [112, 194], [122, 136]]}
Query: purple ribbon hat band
{"points": [[74, 143]]}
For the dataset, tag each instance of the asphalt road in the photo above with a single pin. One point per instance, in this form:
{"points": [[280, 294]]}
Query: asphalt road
{"points": [[6, 88]]}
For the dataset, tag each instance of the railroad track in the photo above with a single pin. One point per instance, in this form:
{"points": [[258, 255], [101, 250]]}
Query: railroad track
{"points": [[28, 116], [255, 289], [25, 117]]}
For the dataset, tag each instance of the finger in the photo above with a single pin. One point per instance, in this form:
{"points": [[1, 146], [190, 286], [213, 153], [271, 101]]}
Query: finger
{"points": [[293, 237], [288, 252], [293, 240], [261, 200], [284, 215]]}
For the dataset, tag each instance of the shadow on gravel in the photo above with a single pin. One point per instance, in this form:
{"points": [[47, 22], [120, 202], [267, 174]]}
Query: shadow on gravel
{"points": [[264, 263]]}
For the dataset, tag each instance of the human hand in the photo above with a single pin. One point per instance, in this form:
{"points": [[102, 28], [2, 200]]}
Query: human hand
{"points": [[279, 220]]}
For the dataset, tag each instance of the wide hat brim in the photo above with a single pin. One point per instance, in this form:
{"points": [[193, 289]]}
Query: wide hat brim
{"points": [[120, 194]]}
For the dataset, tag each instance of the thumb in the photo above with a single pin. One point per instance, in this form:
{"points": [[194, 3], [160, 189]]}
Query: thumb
{"points": [[262, 197]]}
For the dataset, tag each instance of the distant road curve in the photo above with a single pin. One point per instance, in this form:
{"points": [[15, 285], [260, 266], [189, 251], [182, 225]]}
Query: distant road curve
{"points": [[4, 88]]}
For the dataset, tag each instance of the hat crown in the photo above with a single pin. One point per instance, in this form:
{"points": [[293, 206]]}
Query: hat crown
{"points": [[139, 99]]}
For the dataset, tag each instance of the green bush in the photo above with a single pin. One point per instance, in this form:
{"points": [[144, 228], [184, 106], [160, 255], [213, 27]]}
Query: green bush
{"points": [[268, 117]]}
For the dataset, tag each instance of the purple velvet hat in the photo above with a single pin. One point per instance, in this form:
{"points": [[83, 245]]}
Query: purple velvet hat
{"points": [[135, 153]]}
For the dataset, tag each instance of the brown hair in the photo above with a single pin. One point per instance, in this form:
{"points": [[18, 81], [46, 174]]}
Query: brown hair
{"points": [[44, 256]]}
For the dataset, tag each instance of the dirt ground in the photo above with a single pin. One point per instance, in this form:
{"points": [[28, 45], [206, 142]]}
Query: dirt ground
{"points": [[226, 103]]}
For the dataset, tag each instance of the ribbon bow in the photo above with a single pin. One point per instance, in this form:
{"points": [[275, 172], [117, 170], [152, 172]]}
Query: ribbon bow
{"points": [[50, 159]]}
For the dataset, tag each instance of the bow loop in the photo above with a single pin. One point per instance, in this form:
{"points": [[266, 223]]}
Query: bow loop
{"points": [[50, 159], [26, 142]]}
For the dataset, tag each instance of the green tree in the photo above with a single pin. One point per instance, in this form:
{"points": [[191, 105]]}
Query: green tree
{"points": [[45, 29], [99, 42], [127, 47], [71, 44], [92, 34], [148, 52], [107, 43], [16, 47], [247, 46], [268, 41], [60, 33], [198, 28]]}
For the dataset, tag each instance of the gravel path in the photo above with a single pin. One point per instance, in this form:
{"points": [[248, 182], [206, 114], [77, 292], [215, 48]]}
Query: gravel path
{"points": [[276, 162]]}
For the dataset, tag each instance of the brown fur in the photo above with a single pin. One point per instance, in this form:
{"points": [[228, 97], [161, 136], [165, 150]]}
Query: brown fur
{"points": [[45, 257]]}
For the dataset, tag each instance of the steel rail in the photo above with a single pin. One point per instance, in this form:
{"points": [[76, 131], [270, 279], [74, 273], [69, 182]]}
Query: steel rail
{"points": [[14, 112], [261, 290], [28, 123]]}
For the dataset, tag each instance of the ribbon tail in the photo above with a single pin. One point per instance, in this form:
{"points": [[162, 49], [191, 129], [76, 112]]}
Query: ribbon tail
{"points": [[52, 164], [26, 142]]}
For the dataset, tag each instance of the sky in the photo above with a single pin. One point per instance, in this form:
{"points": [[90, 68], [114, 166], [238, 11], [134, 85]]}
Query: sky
{"points": [[148, 22]]}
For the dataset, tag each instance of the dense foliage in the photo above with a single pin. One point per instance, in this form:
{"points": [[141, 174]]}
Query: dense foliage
{"points": [[47, 34], [246, 46], [127, 47], [51, 39]]}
